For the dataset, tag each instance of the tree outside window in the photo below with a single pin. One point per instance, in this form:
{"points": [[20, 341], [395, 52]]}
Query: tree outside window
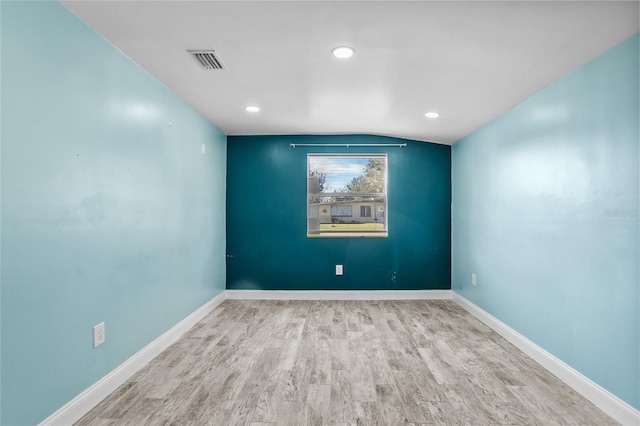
{"points": [[347, 195]]}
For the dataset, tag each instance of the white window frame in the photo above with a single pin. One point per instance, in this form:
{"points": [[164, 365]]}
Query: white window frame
{"points": [[379, 212]]}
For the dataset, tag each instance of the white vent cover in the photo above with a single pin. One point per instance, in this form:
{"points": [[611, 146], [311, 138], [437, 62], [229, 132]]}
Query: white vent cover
{"points": [[208, 59]]}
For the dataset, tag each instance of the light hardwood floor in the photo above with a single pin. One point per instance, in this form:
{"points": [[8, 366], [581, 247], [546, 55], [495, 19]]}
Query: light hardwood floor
{"points": [[343, 363]]}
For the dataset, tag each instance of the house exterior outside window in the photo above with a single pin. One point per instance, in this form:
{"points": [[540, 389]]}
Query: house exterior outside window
{"points": [[347, 195]]}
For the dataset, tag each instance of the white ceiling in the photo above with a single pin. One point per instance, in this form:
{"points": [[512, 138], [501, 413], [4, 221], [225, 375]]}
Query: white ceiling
{"points": [[471, 61]]}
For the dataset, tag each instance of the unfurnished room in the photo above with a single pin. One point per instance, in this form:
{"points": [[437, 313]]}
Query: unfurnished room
{"points": [[332, 213]]}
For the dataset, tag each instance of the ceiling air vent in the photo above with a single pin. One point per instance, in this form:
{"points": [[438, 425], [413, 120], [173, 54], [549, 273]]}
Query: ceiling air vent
{"points": [[208, 59]]}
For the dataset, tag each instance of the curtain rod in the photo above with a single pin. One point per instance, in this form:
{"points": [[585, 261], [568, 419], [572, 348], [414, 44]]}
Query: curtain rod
{"points": [[399, 145]]}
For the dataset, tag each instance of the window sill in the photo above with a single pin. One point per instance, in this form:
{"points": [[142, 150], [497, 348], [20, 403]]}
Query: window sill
{"points": [[335, 234]]}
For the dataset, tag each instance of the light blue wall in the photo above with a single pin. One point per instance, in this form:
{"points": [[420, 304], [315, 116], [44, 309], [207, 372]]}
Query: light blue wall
{"points": [[545, 212], [0, 222], [108, 212]]}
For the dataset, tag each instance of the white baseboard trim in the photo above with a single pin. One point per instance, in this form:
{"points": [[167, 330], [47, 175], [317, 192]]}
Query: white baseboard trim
{"points": [[339, 294], [84, 402], [619, 410]]}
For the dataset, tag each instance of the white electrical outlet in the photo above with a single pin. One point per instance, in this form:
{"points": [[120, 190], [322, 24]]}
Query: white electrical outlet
{"points": [[98, 335], [473, 280], [339, 270], [203, 149]]}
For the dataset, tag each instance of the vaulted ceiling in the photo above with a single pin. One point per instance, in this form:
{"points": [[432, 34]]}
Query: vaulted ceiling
{"points": [[468, 60]]}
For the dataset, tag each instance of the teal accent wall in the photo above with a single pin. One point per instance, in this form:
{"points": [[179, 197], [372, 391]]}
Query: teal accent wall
{"points": [[266, 219], [545, 212], [109, 213]]}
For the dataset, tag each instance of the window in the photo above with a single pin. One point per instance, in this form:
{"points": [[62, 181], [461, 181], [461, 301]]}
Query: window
{"points": [[341, 211], [347, 195]]}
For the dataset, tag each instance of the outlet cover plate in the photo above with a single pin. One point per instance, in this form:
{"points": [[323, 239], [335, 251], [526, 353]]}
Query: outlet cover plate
{"points": [[98, 335]]}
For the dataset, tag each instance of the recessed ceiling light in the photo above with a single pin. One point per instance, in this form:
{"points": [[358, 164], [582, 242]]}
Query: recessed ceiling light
{"points": [[252, 108], [343, 52], [432, 114]]}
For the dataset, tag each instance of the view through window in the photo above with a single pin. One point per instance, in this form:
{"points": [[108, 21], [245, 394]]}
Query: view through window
{"points": [[347, 195]]}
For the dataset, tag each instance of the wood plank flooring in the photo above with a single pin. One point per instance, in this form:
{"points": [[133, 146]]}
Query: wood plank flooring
{"points": [[343, 363]]}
